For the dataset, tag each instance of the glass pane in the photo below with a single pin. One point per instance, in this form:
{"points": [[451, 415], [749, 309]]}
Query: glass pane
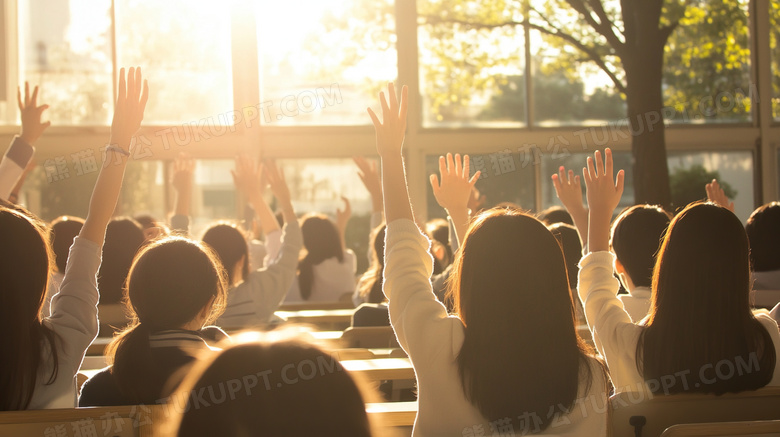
{"points": [[326, 68], [65, 48], [184, 50], [567, 93], [707, 73], [774, 44], [143, 190], [507, 176], [471, 76], [689, 172], [214, 196]]}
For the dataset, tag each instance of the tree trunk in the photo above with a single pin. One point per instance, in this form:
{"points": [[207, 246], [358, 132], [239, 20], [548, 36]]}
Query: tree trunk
{"points": [[643, 63]]}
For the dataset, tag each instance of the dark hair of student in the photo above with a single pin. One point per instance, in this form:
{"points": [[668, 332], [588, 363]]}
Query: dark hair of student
{"points": [[439, 231], [307, 392], [124, 236], [25, 261], [146, 221], [637, 233], [700, 315], [763, 231], [229, 243], [371, 288], [555, 214], [171, 281], [569, 240], [521, 350], [61, 233], [321, 240]]}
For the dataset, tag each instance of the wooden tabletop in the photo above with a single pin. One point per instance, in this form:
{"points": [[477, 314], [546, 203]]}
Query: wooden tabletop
{"points": [[381, 369], [393, 413]]}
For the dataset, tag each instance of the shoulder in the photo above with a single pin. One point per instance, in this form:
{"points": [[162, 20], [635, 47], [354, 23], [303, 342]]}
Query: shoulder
{"points": [[101, 390]]}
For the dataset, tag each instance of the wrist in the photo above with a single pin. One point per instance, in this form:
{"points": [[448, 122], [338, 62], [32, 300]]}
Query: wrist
{"points": [[27, 138]]}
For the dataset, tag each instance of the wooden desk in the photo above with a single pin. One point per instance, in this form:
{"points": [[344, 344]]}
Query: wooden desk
{"points": [[381, 369], [393, 413], [324, 319]]}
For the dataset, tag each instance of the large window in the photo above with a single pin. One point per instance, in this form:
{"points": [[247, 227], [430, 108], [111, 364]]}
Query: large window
{"points": [[65, 48], [774, 46], [326, 66]]}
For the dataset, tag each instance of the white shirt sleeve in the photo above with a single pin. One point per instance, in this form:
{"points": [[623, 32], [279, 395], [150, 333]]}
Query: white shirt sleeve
{"points": [[13, 164]]}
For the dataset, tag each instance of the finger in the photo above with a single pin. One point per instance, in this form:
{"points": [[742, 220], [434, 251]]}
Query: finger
{"points": [[466, 166], [34, 98], [556, 180], [619, 185], [591, 171], [435, 184], [144, 97], [138, 85], [26, 94], [374, 118], [586, 176], [599, 164], [19, 98], [450, 164], [385, 108], [570, 179], [608, 163], [561, 175], [731, 206], [474, 180], [458, 166], [47, 124], [442, 166], [577, 180], [121, 90], [393, 97], [130, 83]]}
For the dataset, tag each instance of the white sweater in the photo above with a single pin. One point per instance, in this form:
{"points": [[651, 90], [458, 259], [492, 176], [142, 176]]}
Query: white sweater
{"points": [[433, 341], [618, 337], [332, 279], [637, 303], [74, 320], [252, 302]]}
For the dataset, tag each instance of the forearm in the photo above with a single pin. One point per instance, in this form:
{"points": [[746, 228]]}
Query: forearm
{"points": [[598, 231], [395, 191], [104, 197], [183, 202], [580, 219], [264, 215], [13, 164], [460, 220], [288, 212]]}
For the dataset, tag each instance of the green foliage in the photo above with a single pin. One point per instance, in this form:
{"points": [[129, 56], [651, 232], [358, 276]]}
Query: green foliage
{"points": [[688, 185]]}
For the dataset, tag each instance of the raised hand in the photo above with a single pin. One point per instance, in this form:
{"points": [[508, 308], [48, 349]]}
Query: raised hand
{"points": [[603, 192], [369, 175], [391, 130], [476, 200], [454, 191], [568, 190], [277, 183], [715, 194], [132, 94], [32, 127], [248, 177], [342, 216], [181, 180]]}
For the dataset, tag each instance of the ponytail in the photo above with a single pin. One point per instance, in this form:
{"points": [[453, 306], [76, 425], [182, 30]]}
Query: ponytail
{"points": [[134, 367]]}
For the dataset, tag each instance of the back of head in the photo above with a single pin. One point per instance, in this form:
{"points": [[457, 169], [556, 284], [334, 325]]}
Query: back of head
{"points": [[229, 243], [24, 269], [278, 389], [555, 214], [700, 314], [763, 231], [124, 237], [371, 288], [521, 351], [569, 240], [62, 232], [439, 231], [636, 236], [322, 241], [171, 282]]}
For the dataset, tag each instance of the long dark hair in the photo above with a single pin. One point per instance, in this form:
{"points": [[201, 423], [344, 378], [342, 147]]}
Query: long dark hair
{"points": [[291, 402], [229, 243], [521, 351], [371, 288], [321, 240], [25, 262], [171, 281], [700, 315], [61, 233]]}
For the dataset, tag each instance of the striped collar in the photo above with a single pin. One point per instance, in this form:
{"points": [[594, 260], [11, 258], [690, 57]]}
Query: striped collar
{"points": [[178, 338]]}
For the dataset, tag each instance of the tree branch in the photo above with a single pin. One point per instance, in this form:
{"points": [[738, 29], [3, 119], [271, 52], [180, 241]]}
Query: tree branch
{"points": [[591, 52], [603, 28]]}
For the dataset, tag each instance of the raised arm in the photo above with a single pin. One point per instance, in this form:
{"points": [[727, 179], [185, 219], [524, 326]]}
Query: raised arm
{"points": [[390, 134], [715, 194], [369, 175], [569, 191], [455, 190], [19, 155], [182, 174], [604, 192], [250, 180], [342, 218], [132, 94]]}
